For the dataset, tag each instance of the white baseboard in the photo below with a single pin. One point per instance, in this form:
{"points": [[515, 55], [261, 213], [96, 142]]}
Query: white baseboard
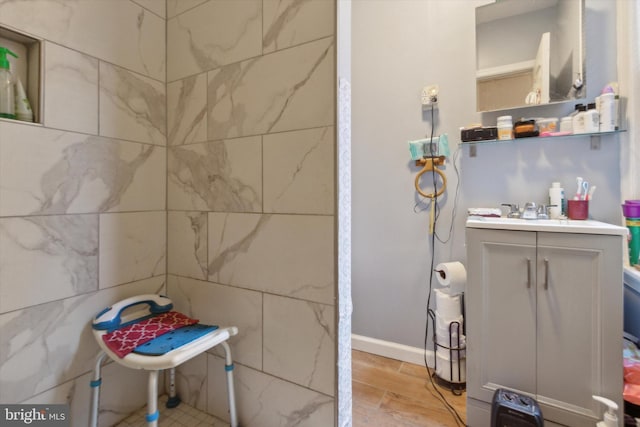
{"points": [[391, 350]]}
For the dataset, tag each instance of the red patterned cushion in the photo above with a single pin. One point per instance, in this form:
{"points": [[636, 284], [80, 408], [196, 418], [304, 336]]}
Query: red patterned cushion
{"points": [[124, 340]]}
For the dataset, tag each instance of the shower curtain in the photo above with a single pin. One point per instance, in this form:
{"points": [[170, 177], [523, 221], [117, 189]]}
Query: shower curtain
{"points": [[628, 17]]}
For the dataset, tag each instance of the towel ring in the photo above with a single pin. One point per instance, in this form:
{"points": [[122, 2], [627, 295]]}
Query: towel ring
{"points": [[427, 168]]}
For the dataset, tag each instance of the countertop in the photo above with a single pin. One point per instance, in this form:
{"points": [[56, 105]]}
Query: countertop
{"points": [[549, 225]]}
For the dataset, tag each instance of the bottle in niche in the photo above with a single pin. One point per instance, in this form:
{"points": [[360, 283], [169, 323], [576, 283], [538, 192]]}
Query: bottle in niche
{"points": [[7, 93]]}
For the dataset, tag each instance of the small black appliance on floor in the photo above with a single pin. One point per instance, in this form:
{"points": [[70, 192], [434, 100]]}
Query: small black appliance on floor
{"points": [[511, 409]]}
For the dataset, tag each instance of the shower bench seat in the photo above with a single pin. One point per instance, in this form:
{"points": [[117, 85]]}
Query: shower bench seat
{"points": [[142, 332]]}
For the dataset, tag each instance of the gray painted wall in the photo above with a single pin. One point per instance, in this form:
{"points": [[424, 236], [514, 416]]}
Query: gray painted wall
{"points": [[399, 47]]}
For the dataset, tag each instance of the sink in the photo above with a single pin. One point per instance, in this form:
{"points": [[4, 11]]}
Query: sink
{"points": [[551, 225]]}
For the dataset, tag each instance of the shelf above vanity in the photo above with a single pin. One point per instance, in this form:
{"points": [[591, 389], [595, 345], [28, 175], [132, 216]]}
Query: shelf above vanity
{"points": [[594, 139]]}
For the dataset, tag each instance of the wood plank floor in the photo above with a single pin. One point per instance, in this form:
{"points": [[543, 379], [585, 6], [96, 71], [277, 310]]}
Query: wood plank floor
{"points": [[391, 393]]}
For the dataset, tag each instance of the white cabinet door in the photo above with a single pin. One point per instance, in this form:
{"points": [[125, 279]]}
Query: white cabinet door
{"points": [[501, 312], [579, 332]]}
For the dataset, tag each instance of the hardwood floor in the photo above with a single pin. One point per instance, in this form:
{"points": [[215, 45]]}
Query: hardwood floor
{"points": [[391, 393]]}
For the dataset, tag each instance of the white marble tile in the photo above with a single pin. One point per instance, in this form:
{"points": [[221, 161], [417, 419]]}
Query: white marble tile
{"points": [[191, 382], [187, 110], [132, 247], [215, 33], [288, 23], [299, 171], [46, 345], [159, 7], [123, 391], [176, 7], [71, 90], [88, 26], [216, 176], [47, 258], [289, 255], [187, 244], [286, 90], [132, 107], [263, 400], [49, 171], [215, 304], [299, 342]]}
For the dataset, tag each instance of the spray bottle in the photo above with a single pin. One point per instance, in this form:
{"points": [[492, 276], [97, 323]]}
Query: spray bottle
{"points": [[610, 417], [7, 96]]}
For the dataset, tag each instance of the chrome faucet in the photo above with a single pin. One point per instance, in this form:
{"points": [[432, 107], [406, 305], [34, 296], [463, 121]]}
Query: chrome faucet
{"points": [[543, 211], [514, 210], [530, 211]]}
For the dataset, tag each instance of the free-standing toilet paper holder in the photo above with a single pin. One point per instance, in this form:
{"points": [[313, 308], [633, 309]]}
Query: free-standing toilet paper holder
{"points": [[456, 352]]}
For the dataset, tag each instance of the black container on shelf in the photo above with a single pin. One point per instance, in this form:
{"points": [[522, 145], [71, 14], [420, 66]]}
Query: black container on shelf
{"points": [[479, 134]]}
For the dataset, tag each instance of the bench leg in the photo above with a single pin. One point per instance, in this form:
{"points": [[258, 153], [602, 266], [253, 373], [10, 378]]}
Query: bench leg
{"points": [[230, 389], [95, 383], [152, 400], [173, 400]]}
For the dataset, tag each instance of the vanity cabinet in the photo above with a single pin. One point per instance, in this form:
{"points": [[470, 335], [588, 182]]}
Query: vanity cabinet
{"points": [[544, 318]]}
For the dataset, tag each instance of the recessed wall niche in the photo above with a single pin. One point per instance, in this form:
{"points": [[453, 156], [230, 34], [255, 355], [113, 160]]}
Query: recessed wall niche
{"points": [[27, 67]]}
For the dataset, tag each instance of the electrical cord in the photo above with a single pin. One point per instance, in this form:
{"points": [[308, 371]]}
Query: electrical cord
{"points": [[455, 198], [456, 416]]}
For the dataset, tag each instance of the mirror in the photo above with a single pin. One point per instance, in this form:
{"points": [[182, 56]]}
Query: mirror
{"points": [[529, 52]]}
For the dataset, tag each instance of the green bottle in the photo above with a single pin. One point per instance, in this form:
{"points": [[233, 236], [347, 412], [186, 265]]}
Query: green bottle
{"points": [[7, 96]]}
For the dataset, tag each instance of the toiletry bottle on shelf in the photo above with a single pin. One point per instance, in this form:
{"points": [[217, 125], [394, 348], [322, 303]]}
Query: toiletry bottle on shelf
{"points": [[556, 200], [608, 112], [576, 110], [7, 97], [578, 120], [505, 127], [566, 124], [591, 119]]}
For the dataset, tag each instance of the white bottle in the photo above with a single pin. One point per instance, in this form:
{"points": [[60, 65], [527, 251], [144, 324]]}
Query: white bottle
{"points": [[566, 124], [556, 197], [23, 107], [591, 119], [608, 112], [578, 120], [610, 417]]}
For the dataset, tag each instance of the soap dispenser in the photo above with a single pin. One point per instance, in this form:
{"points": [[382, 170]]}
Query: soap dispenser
{"points": [[610, 417], [7, 96]]}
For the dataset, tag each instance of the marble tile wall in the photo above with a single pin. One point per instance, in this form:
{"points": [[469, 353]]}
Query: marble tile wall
{"points": [[82, 198], [88, 26], [250, 194]]}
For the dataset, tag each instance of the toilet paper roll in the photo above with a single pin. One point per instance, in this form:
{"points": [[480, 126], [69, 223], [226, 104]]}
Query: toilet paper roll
{"points": [[454, 350], [443, 341], [448, 369], [443, 326], [452, 275], [448, 306], [451, 354]]}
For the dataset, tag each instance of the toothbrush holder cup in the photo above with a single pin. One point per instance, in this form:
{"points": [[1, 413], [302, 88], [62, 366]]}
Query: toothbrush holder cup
{"points": [[577, 209]]}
